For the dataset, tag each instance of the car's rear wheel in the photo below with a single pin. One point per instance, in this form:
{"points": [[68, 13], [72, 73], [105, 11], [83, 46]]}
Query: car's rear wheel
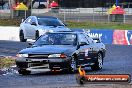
{"points": [[21, 35], [99, 63], [73, 65], [24, 72], [37, 35]]}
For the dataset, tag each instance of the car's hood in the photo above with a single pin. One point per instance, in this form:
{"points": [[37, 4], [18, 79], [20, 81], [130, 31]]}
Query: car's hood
{"points": [[58, 28], [49, 49]]}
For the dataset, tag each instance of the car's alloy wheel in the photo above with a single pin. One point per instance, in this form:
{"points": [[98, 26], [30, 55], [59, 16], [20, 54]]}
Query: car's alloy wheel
{"points": [[73, 66], [99, 63], [24, 72], [37, 35], [22, 37]]}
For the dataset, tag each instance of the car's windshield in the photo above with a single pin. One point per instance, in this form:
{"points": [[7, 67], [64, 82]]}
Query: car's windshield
{"points": [[49, 22], [57, 39]]}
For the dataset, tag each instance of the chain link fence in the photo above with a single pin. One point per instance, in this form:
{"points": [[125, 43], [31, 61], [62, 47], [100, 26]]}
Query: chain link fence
{"points": [[85, 14], [79, 14]]}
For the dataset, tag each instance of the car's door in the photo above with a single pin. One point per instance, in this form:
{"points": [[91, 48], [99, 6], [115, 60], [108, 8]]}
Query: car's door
{"points": [[26, 26], [33, 27], [85, 50]]}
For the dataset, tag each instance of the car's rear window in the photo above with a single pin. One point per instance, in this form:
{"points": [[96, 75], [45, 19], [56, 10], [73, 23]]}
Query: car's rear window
{"points": [[49, 22]]}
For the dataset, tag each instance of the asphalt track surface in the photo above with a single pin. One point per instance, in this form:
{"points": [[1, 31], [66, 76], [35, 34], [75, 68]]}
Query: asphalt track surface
{"points": [[117, 61]]}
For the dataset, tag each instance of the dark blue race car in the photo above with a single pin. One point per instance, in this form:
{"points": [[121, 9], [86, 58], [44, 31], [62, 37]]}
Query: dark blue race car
{"points": [[61, 51]]}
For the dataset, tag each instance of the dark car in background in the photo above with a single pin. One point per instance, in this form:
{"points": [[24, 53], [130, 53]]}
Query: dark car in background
{"points": [[61, 51]]}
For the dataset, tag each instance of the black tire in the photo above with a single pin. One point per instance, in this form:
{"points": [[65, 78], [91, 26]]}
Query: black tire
{"points": [[36, 35], [73, 65], [24, 72], [99, 63], [21, 36]]}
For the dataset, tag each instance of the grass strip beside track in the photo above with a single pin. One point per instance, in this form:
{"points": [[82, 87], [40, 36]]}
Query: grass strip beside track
{"points": [[72, 24], [6, 62], [99, 25]]}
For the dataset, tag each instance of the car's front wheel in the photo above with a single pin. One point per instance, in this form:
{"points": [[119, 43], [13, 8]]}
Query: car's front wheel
{"points": [[99, 63], [21, 35], [24, 72]]}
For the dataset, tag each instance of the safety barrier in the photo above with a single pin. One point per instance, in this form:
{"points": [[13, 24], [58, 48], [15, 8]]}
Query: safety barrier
{"points": [[9, 33], [108, 36]]}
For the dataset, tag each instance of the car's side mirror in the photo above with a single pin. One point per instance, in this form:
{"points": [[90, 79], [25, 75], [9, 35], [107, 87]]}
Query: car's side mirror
{"points": [[30, 44], [96, 41], [33, 23], [65, 24], [83, 43]]}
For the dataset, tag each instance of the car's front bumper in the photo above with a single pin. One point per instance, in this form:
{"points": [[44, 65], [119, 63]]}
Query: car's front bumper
{"points": [[43, 64]]}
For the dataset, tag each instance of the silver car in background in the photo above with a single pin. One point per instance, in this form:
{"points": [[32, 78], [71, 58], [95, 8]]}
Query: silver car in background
{"points": [[35, 26]]}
